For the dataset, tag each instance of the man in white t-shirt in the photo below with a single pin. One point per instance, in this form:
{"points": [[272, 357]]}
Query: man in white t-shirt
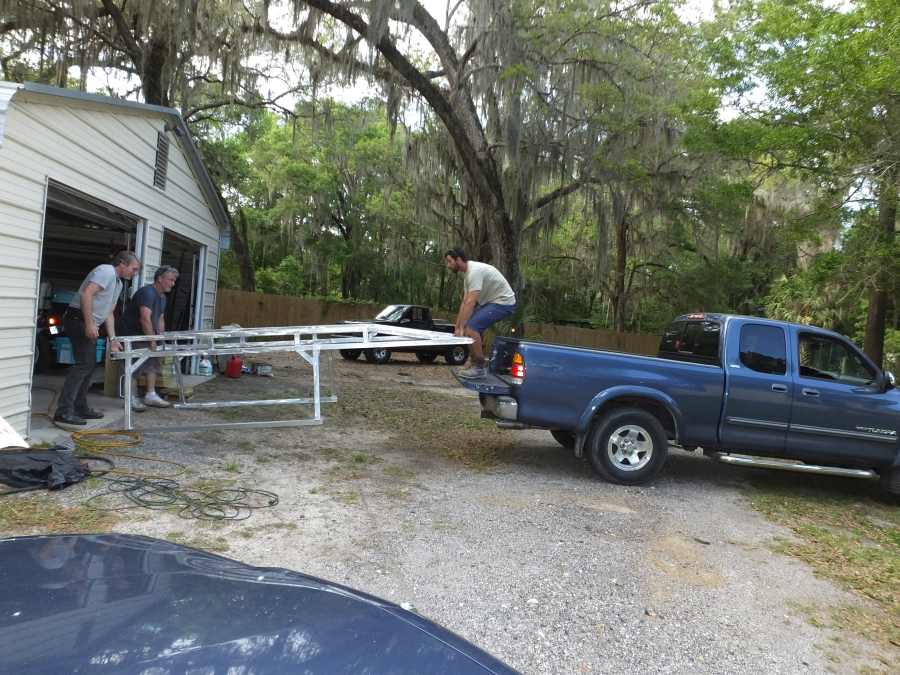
{"points": [[487, 298], [92, 307]]}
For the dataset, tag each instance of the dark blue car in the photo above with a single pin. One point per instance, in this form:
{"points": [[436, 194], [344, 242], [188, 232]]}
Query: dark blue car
{"points": [[126, 604]]}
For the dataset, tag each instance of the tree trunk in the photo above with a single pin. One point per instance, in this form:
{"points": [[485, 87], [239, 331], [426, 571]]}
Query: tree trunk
{"points": [[878, 298], [245, 264], [152, 72], [620, 212]]}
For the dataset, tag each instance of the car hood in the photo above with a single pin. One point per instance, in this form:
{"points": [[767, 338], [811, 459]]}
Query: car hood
{"points": [[125, 604]]}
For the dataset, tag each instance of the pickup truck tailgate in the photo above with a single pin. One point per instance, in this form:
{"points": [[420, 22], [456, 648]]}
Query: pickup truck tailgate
{"points": [[486, 384]]}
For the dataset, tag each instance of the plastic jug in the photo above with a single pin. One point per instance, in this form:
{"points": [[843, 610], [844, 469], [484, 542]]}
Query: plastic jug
{"points": [[204, 367]]}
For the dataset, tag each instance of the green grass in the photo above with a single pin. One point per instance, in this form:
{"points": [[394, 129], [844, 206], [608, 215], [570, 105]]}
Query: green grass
{"points": [[41, 514], [848, 538]]}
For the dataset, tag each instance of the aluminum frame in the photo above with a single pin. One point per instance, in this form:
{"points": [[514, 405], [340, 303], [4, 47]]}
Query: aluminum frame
{"points": [[308, 342]]}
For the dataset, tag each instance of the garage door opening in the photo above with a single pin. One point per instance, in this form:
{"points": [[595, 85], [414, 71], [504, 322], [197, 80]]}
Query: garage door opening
{"points": [[80, 232], [183, 304]]}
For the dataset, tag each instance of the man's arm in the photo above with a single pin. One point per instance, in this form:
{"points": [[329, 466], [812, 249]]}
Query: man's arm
{"points": [[110, 321], [146, 318], [87, 304], [470, 300]]}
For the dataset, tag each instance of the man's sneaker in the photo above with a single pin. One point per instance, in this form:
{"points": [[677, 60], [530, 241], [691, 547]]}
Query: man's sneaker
{"points": [[472, 372], [90, 414], [154, 401], [68, 422], [136, 405]]}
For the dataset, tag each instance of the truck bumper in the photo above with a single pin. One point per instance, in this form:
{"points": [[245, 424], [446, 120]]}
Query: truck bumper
{"points": [[499, 408]]}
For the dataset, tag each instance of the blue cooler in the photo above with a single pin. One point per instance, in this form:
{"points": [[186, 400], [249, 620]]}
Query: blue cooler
{"points": [[63, 348]]}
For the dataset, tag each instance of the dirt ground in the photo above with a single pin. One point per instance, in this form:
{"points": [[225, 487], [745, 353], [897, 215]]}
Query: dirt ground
{"points": [[502, 536]]}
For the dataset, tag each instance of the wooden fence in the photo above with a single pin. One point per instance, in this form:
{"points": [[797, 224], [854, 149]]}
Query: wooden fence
{"points": [[252, 310]]}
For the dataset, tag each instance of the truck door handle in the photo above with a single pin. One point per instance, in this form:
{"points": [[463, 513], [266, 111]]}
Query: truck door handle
{"points": [[810, 392], [779, 387]]}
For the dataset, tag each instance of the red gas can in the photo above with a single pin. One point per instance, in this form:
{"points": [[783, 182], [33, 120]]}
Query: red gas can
{"points": [[234, 366]]}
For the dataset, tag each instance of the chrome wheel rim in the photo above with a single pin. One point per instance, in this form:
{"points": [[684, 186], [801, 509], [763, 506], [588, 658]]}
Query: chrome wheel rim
{"points": [[379, 353], [459, 353], [629, 448]]}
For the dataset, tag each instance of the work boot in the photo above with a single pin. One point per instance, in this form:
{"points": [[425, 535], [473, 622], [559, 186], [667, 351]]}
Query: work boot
{"points": [[68, 421], [472, 372], [153, 400]]}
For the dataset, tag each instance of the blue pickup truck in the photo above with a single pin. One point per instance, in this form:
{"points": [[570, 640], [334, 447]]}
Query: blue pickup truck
{"points": [[745, 390]]}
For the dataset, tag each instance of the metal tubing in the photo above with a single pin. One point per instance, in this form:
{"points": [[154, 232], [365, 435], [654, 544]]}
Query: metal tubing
{"points": [[199, 405], [306, 341]]}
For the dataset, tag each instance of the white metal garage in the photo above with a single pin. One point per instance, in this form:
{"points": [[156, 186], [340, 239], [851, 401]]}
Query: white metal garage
{"points": [[80, 177]]}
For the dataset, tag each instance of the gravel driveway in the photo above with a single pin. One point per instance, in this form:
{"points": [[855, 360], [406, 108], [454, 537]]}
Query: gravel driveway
{"points": [[504, 537]]}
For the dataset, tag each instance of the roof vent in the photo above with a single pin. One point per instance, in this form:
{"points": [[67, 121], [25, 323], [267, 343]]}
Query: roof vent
{"points": [[162, 160]]}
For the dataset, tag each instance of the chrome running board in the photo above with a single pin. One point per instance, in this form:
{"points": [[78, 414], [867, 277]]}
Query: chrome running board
{"points": [[765, 463]]}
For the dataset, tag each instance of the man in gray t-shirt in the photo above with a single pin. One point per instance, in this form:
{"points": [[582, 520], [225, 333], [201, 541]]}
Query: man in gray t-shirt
{"points": [[487, 298], [91, 307]]}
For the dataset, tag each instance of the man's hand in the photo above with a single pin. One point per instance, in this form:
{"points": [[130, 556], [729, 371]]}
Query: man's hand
{"points": [[90, 330], [115, 346], [459, 332]]}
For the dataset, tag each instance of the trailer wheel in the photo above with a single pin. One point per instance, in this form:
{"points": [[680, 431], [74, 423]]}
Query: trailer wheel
{"points": [[456, 355], [351, 354], [564, 438], [378, 355], [426, 357], [627, 446]]}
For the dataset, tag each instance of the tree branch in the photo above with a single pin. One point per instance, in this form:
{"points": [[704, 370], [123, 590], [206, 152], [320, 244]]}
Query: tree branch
{"points": [[131, 46]]}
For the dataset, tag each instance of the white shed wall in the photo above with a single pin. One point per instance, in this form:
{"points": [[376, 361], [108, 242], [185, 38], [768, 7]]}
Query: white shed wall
{"points": [[109, 154]]}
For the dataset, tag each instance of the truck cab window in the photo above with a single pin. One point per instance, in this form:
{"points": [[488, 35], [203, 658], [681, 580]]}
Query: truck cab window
{"points": [[695, 341], [762, 349], [824, 358]]}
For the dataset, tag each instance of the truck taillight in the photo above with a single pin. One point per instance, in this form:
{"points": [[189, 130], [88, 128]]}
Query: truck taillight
{"points": [[52, 321], [518, 366]]}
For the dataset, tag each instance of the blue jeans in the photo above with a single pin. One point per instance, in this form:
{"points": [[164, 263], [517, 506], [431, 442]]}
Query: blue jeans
{"points": [[487, 315]]}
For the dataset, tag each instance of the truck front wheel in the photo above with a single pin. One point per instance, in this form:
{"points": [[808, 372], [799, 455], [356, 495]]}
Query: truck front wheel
{"points": [[890, 485], [627, 446]]}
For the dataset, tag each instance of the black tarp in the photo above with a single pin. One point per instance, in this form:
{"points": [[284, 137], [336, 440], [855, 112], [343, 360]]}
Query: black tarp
{"points": [[32, 469]]}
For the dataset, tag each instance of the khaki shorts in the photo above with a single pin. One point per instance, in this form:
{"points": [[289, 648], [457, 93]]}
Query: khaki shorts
{"points": [[153, 366]]}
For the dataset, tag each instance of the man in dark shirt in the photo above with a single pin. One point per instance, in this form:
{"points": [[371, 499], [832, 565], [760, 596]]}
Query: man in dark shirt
{"points": [[145, 315]]}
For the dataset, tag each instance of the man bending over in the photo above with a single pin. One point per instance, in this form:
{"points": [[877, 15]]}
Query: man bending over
{"points": [[487, 298]]}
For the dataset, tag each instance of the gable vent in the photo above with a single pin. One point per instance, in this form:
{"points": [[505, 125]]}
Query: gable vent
{"points": [[162, 160]]}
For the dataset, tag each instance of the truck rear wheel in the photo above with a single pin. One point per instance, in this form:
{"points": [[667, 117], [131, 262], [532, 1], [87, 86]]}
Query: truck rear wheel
{"points": [[351, 354], [378, 355], [627, 446]]}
